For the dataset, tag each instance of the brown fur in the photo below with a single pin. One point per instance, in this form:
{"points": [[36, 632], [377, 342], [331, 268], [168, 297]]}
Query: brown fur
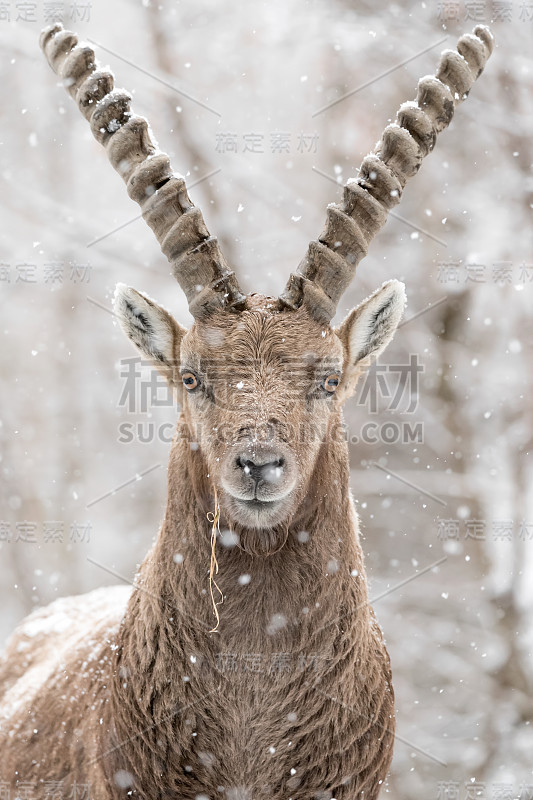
{"points": [[292, 697]]}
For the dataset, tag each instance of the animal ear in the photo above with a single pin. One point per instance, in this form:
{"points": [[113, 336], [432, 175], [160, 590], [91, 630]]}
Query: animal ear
{"points": [[153, 331], [368, 329]]}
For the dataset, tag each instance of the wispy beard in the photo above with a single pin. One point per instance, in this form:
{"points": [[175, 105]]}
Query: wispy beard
{"points": [[257, 542]]}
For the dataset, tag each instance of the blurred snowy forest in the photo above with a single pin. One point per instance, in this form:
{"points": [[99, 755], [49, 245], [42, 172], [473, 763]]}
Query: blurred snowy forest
{"points": [[443, 472]]}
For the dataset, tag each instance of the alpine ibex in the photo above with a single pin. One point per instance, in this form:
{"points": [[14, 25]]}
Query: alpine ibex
{"points": [[288, 695]]}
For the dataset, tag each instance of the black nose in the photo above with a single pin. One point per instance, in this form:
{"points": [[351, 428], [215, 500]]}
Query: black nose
{"points": [[266, 469]]}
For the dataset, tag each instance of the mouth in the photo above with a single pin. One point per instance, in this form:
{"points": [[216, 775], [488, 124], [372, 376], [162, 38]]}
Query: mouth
{"points": [[256, 513], [258, 505]]}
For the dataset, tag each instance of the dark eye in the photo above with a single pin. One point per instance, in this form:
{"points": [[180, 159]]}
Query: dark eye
{"points": [[190, 381], [331, 383]]}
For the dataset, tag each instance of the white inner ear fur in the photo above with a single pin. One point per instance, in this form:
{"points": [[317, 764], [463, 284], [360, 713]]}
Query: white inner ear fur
{"points": [[368, 329], [153, 331]]}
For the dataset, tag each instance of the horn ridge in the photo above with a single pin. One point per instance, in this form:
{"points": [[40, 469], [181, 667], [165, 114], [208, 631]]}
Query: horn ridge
{"points": [[196, 260], [330, 263]]}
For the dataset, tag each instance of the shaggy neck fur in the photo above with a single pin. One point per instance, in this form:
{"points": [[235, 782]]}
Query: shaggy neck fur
{"points": [[257, 695]]}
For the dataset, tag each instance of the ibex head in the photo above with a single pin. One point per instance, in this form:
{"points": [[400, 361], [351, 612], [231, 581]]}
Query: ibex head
{"points": [[258, 376], [261, 388]]}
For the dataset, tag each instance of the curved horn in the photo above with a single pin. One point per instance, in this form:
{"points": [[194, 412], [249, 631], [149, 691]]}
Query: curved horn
{"points": [[197, 262], [330, 263]]}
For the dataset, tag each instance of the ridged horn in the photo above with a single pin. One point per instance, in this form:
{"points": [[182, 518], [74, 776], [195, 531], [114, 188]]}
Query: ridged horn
{"points": [[195, 257], [330, 262]]}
